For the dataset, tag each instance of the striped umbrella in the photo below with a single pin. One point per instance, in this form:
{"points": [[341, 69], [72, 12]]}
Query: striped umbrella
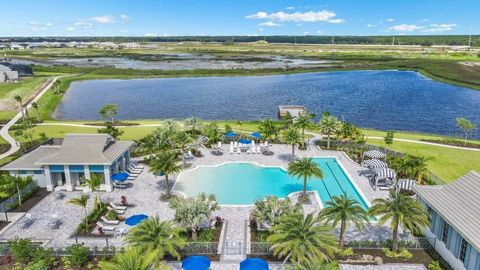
{"points": [[386, 173], [374, 154], [374, 163], [406, 184]]}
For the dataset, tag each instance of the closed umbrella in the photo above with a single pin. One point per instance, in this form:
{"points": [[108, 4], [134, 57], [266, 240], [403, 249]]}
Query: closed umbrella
{"points": [[196, 263]]}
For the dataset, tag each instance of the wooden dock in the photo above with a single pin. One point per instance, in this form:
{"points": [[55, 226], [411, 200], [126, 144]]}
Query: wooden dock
{"points": [[293, 110]]}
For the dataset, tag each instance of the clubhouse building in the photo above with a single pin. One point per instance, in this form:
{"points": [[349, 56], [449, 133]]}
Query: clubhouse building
{"points": [[61, 164], [455, 220]]}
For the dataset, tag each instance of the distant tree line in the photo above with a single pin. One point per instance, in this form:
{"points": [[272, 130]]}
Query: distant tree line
{"points": [[424, 40]]}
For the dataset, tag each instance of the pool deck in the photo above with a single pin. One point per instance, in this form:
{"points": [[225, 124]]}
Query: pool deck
{"points": [[143, 196]]}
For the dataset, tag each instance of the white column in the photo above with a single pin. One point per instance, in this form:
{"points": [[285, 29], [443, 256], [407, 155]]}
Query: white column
{"points": [[122, 164], [68, 178], [86, 171], [48, 178], [108, 181]]}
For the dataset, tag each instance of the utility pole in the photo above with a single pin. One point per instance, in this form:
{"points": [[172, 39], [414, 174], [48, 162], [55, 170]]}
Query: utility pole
{"points": [[393, 40], [295, 40], [333, 40], [470, 41]]}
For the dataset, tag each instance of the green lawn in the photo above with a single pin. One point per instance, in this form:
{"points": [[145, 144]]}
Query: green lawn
{"points": [[447, 163], [410, 135]]}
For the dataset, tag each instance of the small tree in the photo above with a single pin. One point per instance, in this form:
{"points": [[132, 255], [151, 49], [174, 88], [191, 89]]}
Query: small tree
{"points": [[82, 202], [166, 163], [193, 123], [389, 137], [466, 126], [329, 125], [109, 111], [183, 139], [20, 102], [111, 130], [37, 113], [293, 137], [305, 168]]}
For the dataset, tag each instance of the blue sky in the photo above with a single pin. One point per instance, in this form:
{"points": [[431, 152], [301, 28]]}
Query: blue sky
{"points": [[237, 17]]}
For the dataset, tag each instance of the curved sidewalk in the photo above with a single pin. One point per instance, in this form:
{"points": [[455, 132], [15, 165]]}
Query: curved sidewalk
{"points": [[4, 130]]}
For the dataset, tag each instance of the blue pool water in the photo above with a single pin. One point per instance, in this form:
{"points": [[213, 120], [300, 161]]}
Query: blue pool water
{"points": [[244, 183]]}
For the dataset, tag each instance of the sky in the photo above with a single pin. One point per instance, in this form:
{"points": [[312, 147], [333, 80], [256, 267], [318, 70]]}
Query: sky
{"points": [[237, 17]]}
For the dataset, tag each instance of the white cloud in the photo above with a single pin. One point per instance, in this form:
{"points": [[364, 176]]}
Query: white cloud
{"points": [[370, 25], [439, 28], [310, 16], [270, 24], [105, 19], [260, 29], [124, 31], [83, 24], [390, 20], [405, 28], [305, 33], [48, 24], [336, 21], [150, 34], [319, 31], [33, 23], [290, 8], [70, 28], [124, 17]]}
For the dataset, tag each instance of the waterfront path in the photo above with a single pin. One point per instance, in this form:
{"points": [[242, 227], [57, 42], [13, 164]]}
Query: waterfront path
{"points": [[14, 147]]}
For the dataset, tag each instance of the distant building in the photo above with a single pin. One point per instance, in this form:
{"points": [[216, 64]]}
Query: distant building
{"points": [[21, 69], [455, 220], [7, 74], [64, 163]]}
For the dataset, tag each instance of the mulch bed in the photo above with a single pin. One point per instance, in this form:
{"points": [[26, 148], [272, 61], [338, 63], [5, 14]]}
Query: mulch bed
{"points": [[32, 201], [419, 257], [3, 224]]}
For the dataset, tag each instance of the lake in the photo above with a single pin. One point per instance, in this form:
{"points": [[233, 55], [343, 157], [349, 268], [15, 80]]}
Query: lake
{"points": [[386, 100]]}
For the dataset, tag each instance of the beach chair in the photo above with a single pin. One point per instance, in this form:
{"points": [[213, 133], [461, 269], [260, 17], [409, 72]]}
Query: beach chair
{"points": [[106, 228], [248, 151], [132, 169], [118, 211], [235, 144], [259, 149], [266, 144], [239, 151], [27, 222], [231, 148], [253, 150], [117, 207], [119, 185], [219, 145], [260, 144], [190, 155], [137, 166], [109, 222]]}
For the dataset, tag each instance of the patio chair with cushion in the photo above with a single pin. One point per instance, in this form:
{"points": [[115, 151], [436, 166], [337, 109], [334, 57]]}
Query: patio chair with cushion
{"points": [[54, 222], [27, 222], [105, 227], [117, 207], [119, 185], [118, 211], [109, 222]]}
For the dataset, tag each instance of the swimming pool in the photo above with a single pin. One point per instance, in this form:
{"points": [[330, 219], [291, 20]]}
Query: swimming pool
{"points": [[244, 183]]}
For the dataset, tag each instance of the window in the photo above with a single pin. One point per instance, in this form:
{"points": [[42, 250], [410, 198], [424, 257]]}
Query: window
{"points": [[430, 215], [463, 250], [445, 232], [38, 172]]}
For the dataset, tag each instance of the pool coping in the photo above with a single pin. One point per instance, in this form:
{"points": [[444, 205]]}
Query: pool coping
{"points": [[317, 196]]}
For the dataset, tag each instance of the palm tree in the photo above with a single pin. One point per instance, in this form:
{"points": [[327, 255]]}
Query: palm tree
{"points": [[10, 182], [239, 123], [166, 163], [37, 113], [94, 182], [329, 125], [292, 136], [315, 264], [193, 123], [298, 238], [418, 167], [305, 168], [344, 210], [401, 210], [183, 139], [20, 102], [268, 129], [271, 209], [194, 211], [160, 238], [82, 202], [304, 122], [56, 86], [288, 119], [132, 259]]}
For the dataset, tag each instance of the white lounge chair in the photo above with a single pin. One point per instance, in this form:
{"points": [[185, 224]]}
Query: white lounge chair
{"points": [[260, 144], [219, 144], [138, 166], [248, 151], [231, 148], [105, 227], [253, 149], [117, 207], [266, 144], [109, 222], [118, 211], [134, 170], [239, 151], [259, 149], [119, 185]]}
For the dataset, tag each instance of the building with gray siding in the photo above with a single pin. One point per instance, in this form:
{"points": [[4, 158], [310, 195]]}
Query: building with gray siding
{"points": [[455, 220], [63, 164]]}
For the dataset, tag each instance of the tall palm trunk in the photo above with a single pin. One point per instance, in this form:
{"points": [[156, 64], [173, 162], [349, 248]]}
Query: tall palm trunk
{"points": [[341, 239], [395, 239], [194, 233], [86, 219], [38, 115], [293, 151], [19, 195], [328, 141], [305, 187], [168, 185]]}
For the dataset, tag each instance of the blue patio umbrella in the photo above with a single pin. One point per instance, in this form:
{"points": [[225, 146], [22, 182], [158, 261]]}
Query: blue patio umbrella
{"points": [[196, 263], [244, 141], [120, 177], [254, 264], [231, 134], [135, 219], [256, 135]]}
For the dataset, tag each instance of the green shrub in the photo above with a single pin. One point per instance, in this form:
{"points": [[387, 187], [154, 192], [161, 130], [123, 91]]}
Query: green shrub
{"points": [[39, 265], [111, 215], [22, 250], [205, 235], [402, 254], [346, 252], [79, 255], [434, 265], [93, 217], [44, 255]]}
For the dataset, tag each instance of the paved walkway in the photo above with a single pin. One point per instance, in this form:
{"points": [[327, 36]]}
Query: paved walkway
{"points": [[14, 147]]}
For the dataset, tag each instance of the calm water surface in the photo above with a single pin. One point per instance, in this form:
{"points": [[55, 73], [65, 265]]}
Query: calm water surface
{"points": [[397, 100]]}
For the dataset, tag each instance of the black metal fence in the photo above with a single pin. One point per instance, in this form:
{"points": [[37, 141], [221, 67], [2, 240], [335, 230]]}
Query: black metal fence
{"points": [[12, 202]]}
